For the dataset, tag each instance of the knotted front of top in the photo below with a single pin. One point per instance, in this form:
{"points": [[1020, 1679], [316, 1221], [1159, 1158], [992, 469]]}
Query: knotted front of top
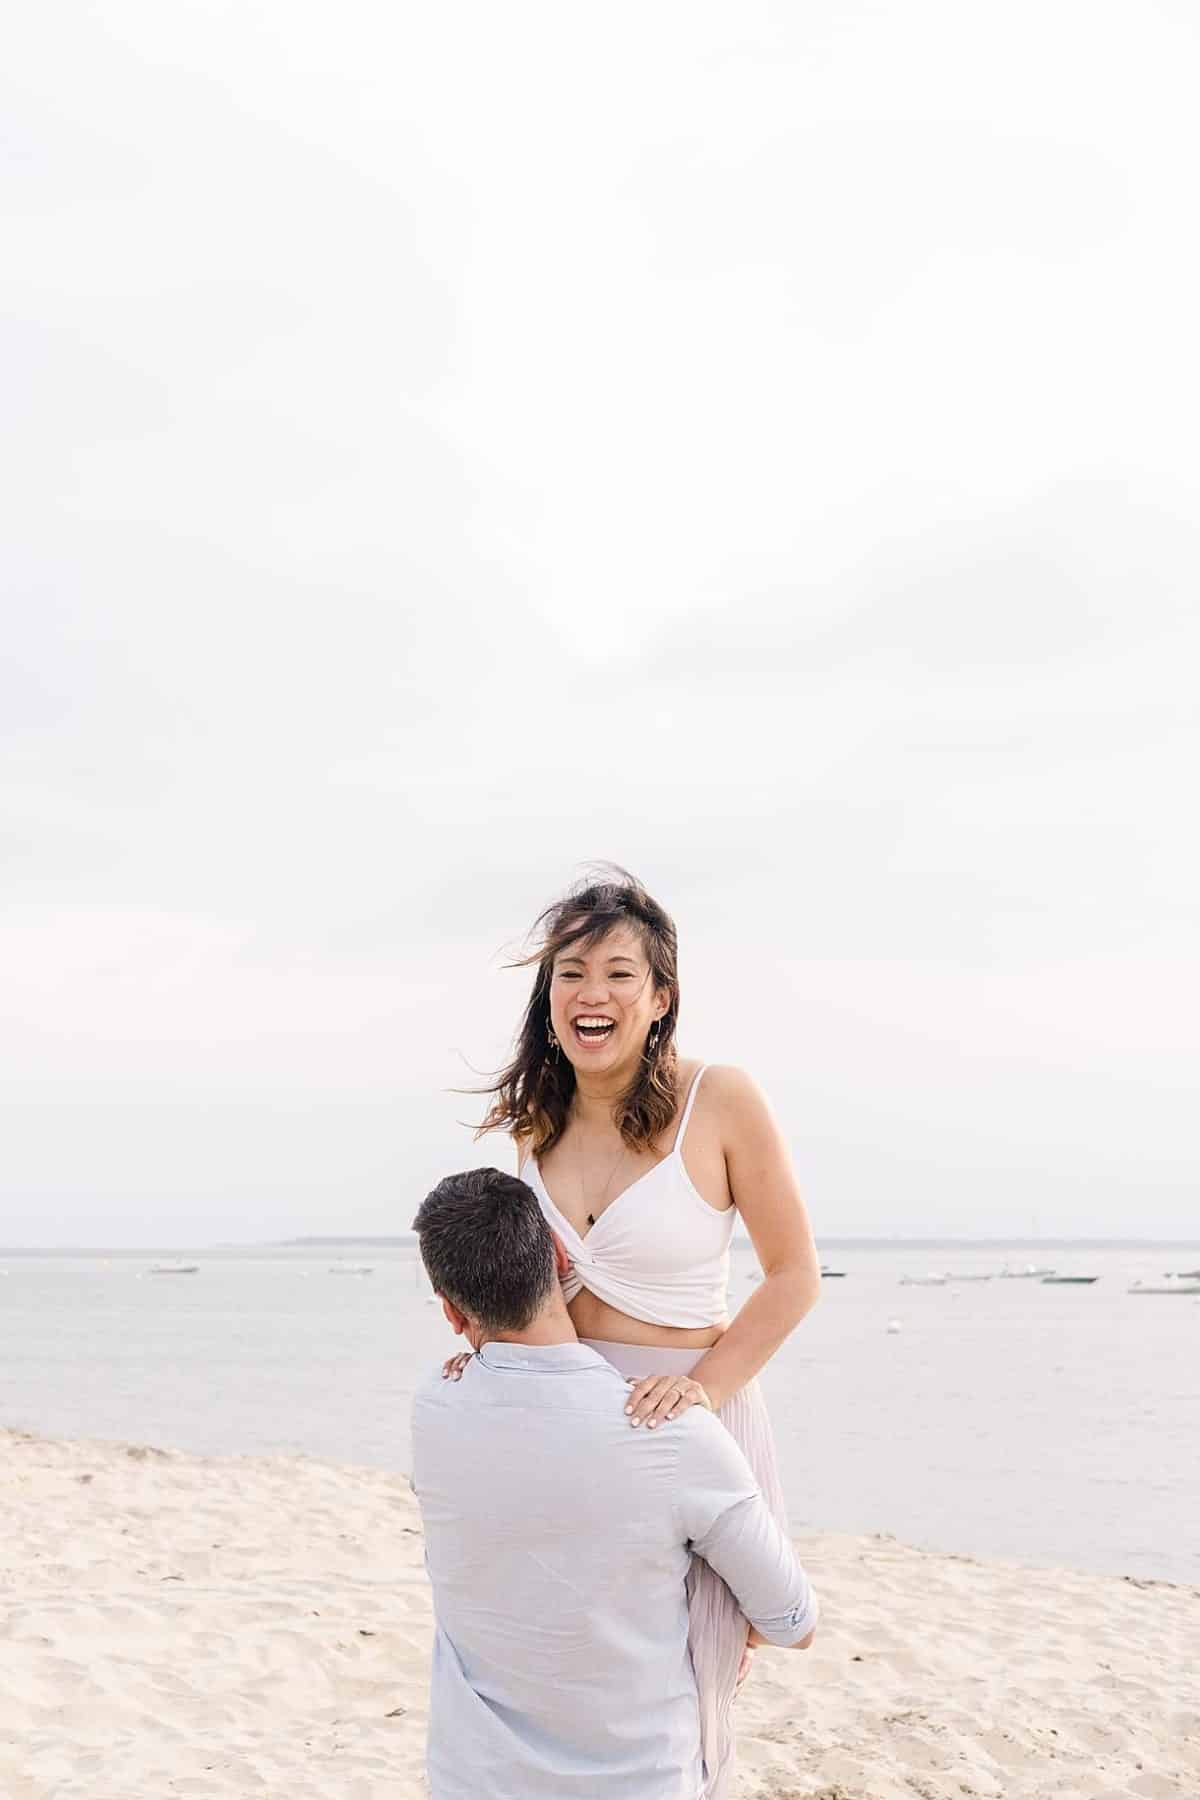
{"points": [[659, 1252]]}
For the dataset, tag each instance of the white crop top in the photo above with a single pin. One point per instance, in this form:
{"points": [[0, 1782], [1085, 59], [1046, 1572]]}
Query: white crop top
{"points": [[659, 1252]]}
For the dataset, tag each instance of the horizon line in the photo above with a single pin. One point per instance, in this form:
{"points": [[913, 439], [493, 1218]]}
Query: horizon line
{"points": [[408, 1239]]}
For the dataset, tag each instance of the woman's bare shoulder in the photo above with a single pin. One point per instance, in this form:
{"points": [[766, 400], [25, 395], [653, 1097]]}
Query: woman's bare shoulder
{"points": [[686, 1070], [733, 1094], [729, 1081], [722, 1081]]}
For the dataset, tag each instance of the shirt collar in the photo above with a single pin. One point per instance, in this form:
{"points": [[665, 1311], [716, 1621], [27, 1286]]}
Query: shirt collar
{"points": [[543, 1359]]}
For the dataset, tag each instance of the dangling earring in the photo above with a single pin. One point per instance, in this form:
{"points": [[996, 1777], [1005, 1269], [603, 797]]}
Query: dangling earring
{"points": [[552, 1040], [652, 1040]]}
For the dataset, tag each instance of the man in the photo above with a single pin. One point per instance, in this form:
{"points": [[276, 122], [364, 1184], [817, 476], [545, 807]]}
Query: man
{"points": [[557, 1539]]}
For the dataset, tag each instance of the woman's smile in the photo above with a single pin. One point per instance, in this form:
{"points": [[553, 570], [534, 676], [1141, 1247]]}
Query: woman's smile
{"points": [[590, 1030]]}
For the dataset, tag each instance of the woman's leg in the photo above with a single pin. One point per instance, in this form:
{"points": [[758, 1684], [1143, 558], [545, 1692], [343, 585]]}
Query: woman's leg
{"points": [[717, 1627]]}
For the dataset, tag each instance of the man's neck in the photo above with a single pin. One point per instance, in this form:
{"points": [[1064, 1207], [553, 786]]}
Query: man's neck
{"points": [[551, 1326]]}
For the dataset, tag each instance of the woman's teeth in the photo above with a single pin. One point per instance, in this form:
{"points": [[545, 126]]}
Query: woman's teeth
{"points": [[593, 1031]]}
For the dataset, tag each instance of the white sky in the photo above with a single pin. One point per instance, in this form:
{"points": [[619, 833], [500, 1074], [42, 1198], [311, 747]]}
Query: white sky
{"points": [[449, 443]]}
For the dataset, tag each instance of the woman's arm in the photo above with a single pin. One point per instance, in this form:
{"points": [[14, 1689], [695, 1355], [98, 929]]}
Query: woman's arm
{"points": [[767, 1195]]}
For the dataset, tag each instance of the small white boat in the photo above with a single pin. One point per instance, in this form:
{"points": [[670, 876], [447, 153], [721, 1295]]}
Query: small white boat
{"points": [[1068, 1280], [930, 1280], [351, 1268], [175, 1268], [1028, 1273], [970, 1278], [1165, 1287]]}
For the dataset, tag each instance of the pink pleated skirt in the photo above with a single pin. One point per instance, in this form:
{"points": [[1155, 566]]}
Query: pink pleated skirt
{"points": [[717, 1627]]}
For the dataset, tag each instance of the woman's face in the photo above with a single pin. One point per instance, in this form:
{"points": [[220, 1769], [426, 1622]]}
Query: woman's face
{"points": [[603, 1002]]}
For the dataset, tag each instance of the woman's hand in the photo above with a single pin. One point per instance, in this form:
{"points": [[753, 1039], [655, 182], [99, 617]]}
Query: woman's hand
{"points": [[453, 1368], [656, 1398]]}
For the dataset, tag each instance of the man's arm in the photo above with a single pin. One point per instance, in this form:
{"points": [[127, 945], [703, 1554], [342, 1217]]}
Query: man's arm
{"points": [[728, 1523], [756, 1641]]}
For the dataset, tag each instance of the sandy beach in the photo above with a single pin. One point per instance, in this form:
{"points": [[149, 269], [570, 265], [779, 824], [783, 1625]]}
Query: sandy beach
{"points": [[181, 1625]]}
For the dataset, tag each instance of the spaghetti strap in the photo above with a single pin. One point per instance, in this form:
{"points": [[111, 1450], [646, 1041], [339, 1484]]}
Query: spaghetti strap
{"points": [[687, 1111]]}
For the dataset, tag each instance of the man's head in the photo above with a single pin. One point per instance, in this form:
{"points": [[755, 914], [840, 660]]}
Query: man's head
{"points": [[488, 1252]]}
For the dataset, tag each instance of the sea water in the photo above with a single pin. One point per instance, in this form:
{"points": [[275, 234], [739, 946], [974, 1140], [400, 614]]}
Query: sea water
{"points": [[1002, 1418]]}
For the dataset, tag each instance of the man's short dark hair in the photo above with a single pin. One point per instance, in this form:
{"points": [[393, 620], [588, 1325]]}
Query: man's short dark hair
{"points": [[487, 1247]]}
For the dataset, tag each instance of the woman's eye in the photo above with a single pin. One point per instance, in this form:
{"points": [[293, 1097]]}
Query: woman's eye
{"points": [[574, 975]]}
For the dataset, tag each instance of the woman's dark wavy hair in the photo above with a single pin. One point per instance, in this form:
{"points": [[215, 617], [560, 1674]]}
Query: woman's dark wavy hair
{"points": [[532, 1095]]}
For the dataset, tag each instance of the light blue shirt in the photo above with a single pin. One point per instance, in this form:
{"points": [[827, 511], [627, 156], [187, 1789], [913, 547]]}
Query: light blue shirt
{"points": [[557, 1541]]}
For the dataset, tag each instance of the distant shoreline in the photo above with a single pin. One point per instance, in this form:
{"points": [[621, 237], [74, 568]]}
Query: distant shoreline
{"points": [[839, 1243], [14, 1438], [408, 1241]]}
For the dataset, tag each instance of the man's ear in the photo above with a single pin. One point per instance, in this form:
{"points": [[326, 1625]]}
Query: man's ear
{"points": [[457, 1321], [562, 1258]]}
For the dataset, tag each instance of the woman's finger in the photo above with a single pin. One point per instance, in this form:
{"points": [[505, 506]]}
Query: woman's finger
{"points": [[676, 1400], [452, 1369], [693, 1395], [685, 1393], [654, 1402], [640, 1400]]}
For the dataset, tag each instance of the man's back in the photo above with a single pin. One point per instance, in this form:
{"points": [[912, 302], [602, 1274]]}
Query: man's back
{"points": [[557, 1547]]}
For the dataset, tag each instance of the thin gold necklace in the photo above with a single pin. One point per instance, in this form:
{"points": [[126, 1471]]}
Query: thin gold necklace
{"points": [[593, 1215]]}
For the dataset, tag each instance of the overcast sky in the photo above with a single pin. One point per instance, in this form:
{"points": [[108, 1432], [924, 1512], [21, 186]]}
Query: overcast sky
{"points": [[756, 443]]}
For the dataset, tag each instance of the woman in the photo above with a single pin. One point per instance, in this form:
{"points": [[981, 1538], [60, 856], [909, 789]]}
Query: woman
{"points": [[639, 1160]]}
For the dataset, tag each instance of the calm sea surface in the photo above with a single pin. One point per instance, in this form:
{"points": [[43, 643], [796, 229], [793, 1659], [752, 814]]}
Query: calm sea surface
{"points": [[1050, 1425]]}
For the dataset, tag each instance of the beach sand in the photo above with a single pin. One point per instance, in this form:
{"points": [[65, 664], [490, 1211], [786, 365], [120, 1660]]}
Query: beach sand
{"points": [[178, 1625]]}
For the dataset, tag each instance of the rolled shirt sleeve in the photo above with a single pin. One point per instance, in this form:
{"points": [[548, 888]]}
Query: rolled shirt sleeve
{"points": [[728, 1523]]}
